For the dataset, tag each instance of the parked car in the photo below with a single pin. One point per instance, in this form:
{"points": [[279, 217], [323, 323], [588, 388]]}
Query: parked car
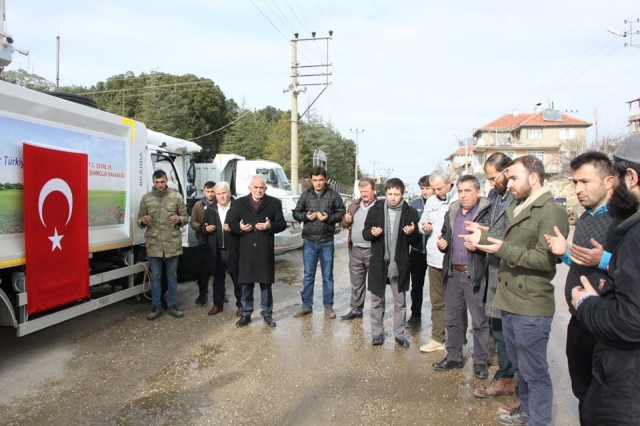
{"points": [[290, 238]]}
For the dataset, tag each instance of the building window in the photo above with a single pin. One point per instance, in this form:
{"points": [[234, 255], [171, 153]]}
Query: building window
{"points": [[535, 134], [567, 134], [539, 154]]}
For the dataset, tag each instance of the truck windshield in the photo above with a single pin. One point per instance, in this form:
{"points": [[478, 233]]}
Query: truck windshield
{"points": [[283, 182], [164, 162]]}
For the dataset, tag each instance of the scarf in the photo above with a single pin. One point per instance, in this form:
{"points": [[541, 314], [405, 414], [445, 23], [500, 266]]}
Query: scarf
{"points": [[534, 196], [391, 236]]}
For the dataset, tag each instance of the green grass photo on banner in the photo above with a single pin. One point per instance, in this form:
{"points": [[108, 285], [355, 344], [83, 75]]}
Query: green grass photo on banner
{"points": [[11, 218], [106, 207]]}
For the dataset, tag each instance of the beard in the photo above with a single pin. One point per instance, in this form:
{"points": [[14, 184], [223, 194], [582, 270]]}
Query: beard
{"points": [[622, 203], [523, 193]]}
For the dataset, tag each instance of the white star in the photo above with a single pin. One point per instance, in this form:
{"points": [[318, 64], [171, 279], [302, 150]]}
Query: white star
{"points": [[55, 240]]}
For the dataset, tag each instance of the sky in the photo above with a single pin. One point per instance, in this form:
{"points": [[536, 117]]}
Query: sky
{"points": [[415, 75]]}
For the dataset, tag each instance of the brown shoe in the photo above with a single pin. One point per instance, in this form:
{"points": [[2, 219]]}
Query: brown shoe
{"points": [[496, 387], [239, 311], [511, 406], [215, 310]]}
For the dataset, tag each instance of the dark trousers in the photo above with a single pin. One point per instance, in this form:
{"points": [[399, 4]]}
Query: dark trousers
{"points": [[580, 346], [266, 300], [219, 276], [506, 370], [458, 296], [417, 270], [527, 339], [204, 272]]}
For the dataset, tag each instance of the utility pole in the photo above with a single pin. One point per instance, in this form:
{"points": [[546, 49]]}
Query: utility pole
{"points": [[295, 89], [374, 168], [355, 164], [58, 61]]}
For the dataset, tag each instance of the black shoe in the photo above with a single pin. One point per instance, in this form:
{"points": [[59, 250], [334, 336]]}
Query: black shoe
{"points": [[269, 321], [414, 321], [174, 312], [350, 316], [446, 365], [480, 371], [243, 321], [402, 341], [155, 314], [202, 300], [377, 340]]}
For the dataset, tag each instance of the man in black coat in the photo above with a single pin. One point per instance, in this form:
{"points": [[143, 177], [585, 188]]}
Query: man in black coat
{"points": [[221, 231], [391, 227], [614, 315], [260, 219]]}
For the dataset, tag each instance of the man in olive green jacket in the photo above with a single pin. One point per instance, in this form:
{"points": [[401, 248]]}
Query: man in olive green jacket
{"points": [[162, 212], [525, 293]]}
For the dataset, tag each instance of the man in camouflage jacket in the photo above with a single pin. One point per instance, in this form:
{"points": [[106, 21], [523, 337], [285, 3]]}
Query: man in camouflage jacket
{"points": [[162, 212]]}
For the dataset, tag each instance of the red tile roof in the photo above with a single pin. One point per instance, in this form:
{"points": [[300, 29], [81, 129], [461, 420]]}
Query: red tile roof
{"points": [[460, 151], [511, 122]]}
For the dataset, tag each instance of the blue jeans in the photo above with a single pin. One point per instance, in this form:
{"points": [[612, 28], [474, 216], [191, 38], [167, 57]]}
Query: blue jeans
{"points": [[527, 339], [155, 264], [311, 253]]}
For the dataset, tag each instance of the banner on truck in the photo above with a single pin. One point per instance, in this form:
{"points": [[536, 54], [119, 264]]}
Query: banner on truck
{"points": [[107, 175], [56, 224]]}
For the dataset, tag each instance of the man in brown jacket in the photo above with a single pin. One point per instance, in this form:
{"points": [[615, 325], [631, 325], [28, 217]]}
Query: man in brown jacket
{"points": [[359, 248], [197, 219]]}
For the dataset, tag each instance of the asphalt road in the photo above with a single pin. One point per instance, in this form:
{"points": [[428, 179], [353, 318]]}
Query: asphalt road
{"points": [[113, 367]]}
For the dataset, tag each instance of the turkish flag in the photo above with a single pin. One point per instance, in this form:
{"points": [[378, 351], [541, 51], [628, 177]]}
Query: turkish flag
{"points": [[56, 226]]}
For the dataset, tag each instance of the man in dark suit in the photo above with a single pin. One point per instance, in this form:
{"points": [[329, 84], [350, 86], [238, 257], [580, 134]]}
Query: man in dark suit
{"points": [[260, 219]]}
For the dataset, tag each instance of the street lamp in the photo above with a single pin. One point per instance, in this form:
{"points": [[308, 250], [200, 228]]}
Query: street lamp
{"points": [[629, 33]]}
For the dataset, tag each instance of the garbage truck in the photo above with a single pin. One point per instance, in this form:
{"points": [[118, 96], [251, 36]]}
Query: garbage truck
{"points": [[121, 155], [237, 171]]}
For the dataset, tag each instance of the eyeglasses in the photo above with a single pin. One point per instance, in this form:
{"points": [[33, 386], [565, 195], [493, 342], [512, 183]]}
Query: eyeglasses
{"points": [[495, 178]]}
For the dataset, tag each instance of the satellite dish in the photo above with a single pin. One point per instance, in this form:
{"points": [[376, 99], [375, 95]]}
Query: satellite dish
{"points": [[480, 142]]}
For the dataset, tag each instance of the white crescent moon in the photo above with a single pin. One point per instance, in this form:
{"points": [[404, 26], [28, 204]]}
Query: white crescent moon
{"points": [[52, 186]]}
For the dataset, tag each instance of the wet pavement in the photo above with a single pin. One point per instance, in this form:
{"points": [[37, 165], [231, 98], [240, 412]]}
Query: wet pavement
{"points": [[113, 367]]}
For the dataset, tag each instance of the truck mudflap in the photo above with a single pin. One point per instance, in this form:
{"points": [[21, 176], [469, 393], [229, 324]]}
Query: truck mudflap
{"points": [[7, 314]]}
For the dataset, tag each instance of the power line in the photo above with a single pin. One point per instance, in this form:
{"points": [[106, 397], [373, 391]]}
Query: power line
{"points": [[217, 130]]}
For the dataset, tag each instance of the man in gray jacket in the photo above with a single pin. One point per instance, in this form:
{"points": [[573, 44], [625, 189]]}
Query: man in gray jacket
{"points": [[359, 248], [162, 212]]}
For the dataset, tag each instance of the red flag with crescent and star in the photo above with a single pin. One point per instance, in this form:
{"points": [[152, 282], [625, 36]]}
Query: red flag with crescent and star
{"points": [[56, 226]]}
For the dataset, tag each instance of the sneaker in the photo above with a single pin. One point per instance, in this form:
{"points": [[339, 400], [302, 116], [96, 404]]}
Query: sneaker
{"points": [[510, 407], [414, 321], [304, 310], [174, 312], [201, 300], [432, 346], [155, 314], [518, 417], [328, 312]]}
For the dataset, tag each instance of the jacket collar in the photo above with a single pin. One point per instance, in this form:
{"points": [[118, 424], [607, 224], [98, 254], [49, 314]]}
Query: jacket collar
{"points": [[630, 222], [526, 213]]}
